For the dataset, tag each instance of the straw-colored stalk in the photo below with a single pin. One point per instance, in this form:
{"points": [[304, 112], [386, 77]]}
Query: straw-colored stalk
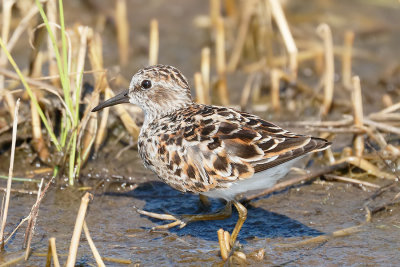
{"points": [[275, 75], [368, 167], [324, 32], [154, 42], [52, 253], [5, 29], [101, 134], [358, 115], [51, 11], [38, 142], [127, 121], [96, 253], [205, 73], [122, 24], [283, 26], [387, 100], [221, 65], [241, 36], [198, 85], [10, 174], [73, 249], [222, 244], [346, 59], [318, 57], [215, 11], [246, 92], [231, 8]]}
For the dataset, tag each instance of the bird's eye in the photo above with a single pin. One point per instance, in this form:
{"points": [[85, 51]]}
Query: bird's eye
{"points": [[146, 84]]}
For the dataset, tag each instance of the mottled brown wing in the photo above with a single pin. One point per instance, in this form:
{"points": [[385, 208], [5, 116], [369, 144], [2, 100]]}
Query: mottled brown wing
{"points": [[236, 145]]}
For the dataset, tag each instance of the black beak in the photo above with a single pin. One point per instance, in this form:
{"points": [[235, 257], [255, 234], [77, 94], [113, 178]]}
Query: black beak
{"points": [[118, 99]]}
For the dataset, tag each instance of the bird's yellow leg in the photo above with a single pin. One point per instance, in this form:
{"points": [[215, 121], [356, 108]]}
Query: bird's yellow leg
{"points": [[242, 218], [183, 220]]}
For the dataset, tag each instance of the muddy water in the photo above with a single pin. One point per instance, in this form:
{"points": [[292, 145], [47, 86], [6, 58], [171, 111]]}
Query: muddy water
{"points": [[274, 221]]}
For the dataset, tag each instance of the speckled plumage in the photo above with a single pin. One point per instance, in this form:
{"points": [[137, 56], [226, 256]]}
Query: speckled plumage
{"points": [[207, 149]]}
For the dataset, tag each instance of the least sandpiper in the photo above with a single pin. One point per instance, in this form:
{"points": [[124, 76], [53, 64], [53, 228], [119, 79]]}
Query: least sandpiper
{"points": [[214, 151]]}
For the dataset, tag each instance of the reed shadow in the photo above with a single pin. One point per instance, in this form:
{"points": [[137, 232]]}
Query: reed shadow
{"points": [[160, 198]]}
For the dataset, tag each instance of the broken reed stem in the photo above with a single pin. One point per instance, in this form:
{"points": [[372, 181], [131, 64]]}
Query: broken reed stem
{"points": [[10, 173], [290, 44], [367, 167], [358, 115], [205, 73], [52, 253], [127, 121], [96, 253], [215, 10], [275, 76], [51, 11], [241, 36], [122, 25], [154, 42], [222, 244], [73, 249], [346, 59], [101, 133], [221, 65], [38, 142], [198, 85], [5, 29], [350, 180], [325, 33], [246, 92]]}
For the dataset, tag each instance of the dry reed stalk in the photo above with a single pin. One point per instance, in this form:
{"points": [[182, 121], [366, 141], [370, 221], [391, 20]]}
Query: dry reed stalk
{"points": [[154, 42], [215, 11], [319, 61], [198, 85], [308, 176], [52, 253], [5, 29], [358, 115], [127, 121], [39, 144], [4, 209], [387, 100], [101, 133], [231, 8], [222, 244], [390, 109], [346, 59], [325, 33], [367, 166], [205, 73], [382, 126], [227, 238], [290, 44], [73, 249], [275, 75], [122, 25], [251, 82], [324, 238], [96, 253], [51, 12], [350, 180], [220, 62], [241, 35]]}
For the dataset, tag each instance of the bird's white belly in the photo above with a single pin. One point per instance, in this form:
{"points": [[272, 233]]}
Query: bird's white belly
{"points": [[260, 180]]}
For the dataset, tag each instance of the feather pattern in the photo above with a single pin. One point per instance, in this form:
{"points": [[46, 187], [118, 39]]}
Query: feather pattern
{"points": [[199, 148]]}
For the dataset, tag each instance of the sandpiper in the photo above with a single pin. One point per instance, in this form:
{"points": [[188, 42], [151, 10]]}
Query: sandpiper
{"points": [[214, 151]]}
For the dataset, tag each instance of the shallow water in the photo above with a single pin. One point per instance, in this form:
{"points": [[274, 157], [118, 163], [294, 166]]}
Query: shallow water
{"points": [[285, 217]]}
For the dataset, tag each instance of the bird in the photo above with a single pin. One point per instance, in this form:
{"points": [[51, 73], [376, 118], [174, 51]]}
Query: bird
{"points": [[213, 151]]}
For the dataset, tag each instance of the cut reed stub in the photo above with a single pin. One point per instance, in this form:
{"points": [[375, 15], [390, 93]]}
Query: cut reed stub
{"points": [[325, 33], [154, 42]]}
